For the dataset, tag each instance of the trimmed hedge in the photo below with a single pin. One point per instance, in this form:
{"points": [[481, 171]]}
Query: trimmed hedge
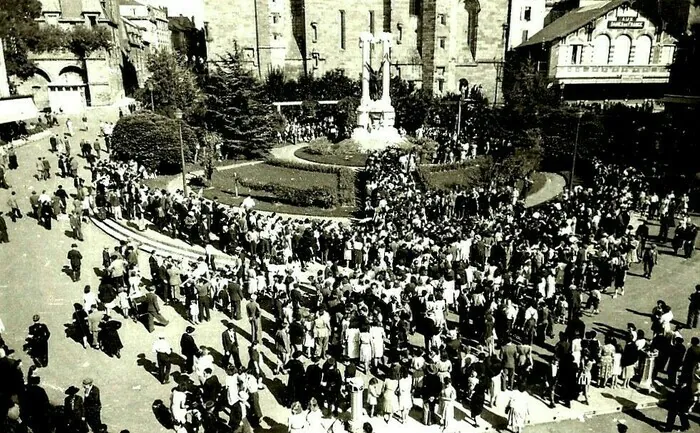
{"points": [[346, 190], [318, 196]]}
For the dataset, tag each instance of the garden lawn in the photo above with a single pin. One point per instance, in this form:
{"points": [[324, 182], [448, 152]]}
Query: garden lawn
{"points": [[223, 187], [350, 160], [538, 182], [464, 177]]}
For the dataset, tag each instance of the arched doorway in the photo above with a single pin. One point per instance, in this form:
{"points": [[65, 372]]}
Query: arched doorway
{"points": [[68, 94]]}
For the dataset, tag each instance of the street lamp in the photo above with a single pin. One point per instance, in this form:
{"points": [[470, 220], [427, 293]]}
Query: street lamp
{"points": [[149, 86], [178, 116], [573, 162]]}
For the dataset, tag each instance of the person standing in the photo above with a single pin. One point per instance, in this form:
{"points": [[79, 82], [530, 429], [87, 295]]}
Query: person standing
{"points": [[253, 312], [76, 224], [694, 308], [163, 351], [153, 311], [75, 259], [650, 258], [15, 212], [189, 348], [322, 332], [229, 341], [4, 238], [92, 404], [235, 293], [204, 298], [681, 402], [518, 410], [73, 409], [38, 341]]}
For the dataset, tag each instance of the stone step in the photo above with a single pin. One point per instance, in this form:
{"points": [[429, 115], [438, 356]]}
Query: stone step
{"points": [[148, 243]]}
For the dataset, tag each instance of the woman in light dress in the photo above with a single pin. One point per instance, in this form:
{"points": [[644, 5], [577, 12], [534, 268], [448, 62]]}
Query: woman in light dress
{"points": [[405, 394], [365, 348], [518, 410], [314, 418], [178, 408], [297, 419], [448, 395], [390, 401], [201, 362]]}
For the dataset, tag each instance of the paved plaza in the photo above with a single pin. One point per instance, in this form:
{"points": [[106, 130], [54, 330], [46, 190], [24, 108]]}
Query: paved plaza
{"points": [[32, 281]]}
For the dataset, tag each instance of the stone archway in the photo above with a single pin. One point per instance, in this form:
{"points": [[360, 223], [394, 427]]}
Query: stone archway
{"points": [[38, 87], [68, 94]]}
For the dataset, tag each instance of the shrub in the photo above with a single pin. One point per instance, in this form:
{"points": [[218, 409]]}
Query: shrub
{"points": [[318, 196], [152, 140], [325, 147], [346, 191]]}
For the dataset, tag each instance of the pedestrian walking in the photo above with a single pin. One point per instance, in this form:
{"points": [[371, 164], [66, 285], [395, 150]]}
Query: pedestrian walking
{"points": [[38, 342], [189, 348], [694, 308], [681, 402], [75, 259], [76, 224], [229, 341], [163, 351], [253, 312], [12, 158], [153, 311], [4, 238], [92, 404], [650, 257], [15, 212]]}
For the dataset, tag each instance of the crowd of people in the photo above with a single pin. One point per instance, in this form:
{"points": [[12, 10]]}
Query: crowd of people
{"points": [[479, 276], [296, 131]]}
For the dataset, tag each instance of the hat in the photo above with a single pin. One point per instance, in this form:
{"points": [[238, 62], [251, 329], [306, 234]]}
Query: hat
{"points": [[87, 381], [35, 318], [189, 329], [72, 390]]}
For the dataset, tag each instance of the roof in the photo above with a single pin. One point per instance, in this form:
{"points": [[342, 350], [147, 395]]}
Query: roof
{"points": [[180, 23], [572, 21], [130, 3], [14, 109]]}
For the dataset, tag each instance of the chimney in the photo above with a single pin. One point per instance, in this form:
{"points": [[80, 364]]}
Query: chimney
{"points": [[4, 82]]}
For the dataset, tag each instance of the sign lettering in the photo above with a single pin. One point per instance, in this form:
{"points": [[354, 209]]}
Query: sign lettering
{"points": [[625, 24]]}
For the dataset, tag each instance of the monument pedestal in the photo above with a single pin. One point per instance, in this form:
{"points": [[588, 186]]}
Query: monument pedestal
{"points": [[375, 130], [648, 362]]}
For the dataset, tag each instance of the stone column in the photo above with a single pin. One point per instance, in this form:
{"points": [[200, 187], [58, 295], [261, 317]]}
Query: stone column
{"points": [[365, 44], [356, 404], [386, 67], [4, 82], [648, 360]]}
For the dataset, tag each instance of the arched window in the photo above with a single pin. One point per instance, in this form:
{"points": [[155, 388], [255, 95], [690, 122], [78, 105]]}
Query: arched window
{"points": [[642, 50], [621, 50], [601, 50]]}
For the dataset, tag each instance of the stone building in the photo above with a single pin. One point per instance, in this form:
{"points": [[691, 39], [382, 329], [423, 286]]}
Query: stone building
{"points": [[436, 42], [65, 82], [604, 50], [153, 22]]}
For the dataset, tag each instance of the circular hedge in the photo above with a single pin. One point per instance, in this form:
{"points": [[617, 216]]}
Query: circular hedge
{"points": [[152, 140]]}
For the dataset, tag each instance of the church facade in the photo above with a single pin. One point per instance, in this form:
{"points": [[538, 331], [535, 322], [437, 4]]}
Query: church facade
{"points": [[435, 42]]}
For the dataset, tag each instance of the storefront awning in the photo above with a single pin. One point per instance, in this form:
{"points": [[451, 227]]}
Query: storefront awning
{"points": [[16, 108]]}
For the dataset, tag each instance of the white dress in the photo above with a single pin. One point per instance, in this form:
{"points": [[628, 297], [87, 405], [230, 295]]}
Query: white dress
{"points": [[178, 406]]}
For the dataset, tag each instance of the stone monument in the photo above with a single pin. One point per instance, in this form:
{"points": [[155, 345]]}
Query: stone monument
{"points": [[375, 118]]}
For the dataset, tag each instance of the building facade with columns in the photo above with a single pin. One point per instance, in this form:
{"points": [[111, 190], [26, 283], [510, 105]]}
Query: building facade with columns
{"points": [[435, 42], [604, 50]]}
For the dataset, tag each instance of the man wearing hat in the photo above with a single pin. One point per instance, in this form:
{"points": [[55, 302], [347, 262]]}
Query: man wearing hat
{"points": [[189, 348], [75, 259], [92, 404], [235, 293], [153, 311], [229, 341], [73, 409], [38, 342]]}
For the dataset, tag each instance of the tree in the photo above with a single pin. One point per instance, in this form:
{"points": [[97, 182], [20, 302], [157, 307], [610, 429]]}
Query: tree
{"points": [[152, 140], [82, 40], [412, 105], [238, 108], [173, 86], [19, 33]]}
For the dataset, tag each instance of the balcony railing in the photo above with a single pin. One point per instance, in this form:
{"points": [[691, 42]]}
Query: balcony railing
{"points": [[611, 71]]}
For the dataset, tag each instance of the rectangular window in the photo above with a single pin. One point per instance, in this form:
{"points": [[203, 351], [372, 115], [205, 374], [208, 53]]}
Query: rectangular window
{"points": [[440, 70], [342, 30], [400, 29], [415, 7], [525, 35], [371, 22], [442, 42], [443, 19], [441, 86], [314, 32], [527, 14], [576, 54], [275, 18]]}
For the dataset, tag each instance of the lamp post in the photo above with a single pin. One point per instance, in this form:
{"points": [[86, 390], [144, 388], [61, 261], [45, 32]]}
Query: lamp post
{"points": [[573, 162], [178, 116], [149, 86]]}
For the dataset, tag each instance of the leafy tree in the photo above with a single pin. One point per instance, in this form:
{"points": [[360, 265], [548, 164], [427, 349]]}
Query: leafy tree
{"points": [[20, 34], [238, 108], [152, 140], [173, 86], [412, 105], [82, 40], [211, 143]]}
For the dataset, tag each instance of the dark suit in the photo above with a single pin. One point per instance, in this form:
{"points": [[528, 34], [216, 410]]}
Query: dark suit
{"points": [[230, 344], [253, 311], [93, 408], [211, 389], [238, 421], [73, 407], [3, 231], [235, 293], [75, 259], [39, 335], [189, 349], [153, 312]]}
